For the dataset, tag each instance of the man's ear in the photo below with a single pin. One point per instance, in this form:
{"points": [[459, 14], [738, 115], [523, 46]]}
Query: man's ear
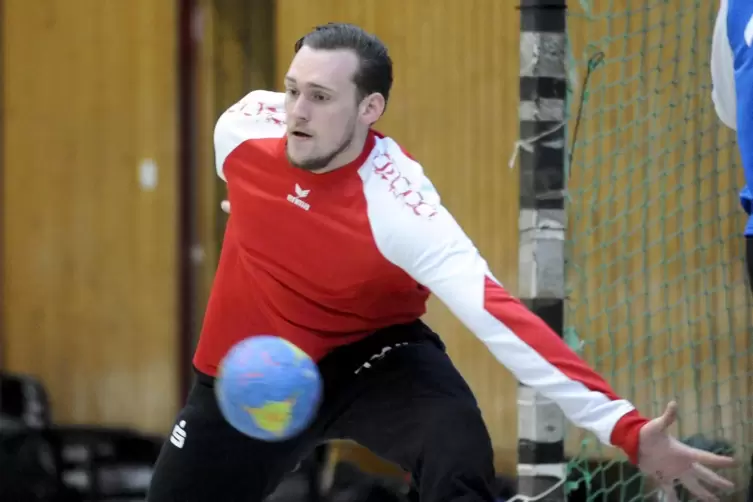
{"points": [[372, 107]]}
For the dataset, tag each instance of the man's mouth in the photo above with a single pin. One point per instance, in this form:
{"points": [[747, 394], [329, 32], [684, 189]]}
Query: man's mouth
{"points": [[302, 135]]}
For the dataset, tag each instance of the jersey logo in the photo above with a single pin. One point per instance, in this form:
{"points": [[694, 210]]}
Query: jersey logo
{"points": [[178, 436], [297, 199], [401, 187], [271, 114]]}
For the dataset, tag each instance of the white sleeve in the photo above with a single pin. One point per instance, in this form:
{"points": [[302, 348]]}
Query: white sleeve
{"points": [[723, 71], [259, 114], [432, 248]]}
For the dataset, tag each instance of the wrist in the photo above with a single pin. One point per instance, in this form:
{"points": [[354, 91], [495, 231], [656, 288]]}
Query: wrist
{"points": [[626, 434]]}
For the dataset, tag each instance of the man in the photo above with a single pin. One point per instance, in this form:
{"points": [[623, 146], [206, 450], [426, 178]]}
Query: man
{"points": [[732, 93], [334, 241]]}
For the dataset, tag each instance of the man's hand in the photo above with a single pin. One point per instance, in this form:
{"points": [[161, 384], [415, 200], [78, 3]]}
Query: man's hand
{"points": [[225, 205], [667, 460]]}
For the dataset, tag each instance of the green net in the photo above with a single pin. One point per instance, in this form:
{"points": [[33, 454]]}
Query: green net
{"points": [[656, 285]]}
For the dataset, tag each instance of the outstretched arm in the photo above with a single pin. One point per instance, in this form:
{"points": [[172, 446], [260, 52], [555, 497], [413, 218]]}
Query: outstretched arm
{"points": [[437, 253]]}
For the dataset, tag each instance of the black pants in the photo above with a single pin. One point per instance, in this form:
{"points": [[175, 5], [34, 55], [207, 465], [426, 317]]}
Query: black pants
{"points": [[410, 406]]}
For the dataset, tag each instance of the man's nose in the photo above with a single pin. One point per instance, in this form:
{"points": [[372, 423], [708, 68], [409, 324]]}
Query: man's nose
{"points": [[301, 109]]}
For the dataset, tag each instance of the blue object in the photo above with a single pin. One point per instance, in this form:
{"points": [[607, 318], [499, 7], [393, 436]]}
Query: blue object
{"points": [[740, 21], [268, 388]]}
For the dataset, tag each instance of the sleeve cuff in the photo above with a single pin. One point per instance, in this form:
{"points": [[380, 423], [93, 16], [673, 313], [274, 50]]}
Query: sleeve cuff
{"points": [[626, 434]]}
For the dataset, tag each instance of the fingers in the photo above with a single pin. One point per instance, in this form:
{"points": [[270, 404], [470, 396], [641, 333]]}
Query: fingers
{"points": [[709, 459], [711, 478], [693, 485], [669, 416]]}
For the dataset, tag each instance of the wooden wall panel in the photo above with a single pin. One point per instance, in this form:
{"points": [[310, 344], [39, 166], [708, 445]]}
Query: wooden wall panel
{"points": [[656, 280], [89, 270], [454, 107]]}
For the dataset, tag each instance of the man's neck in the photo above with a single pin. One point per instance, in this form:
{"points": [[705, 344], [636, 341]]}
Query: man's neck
{"points": [[345, 157]]}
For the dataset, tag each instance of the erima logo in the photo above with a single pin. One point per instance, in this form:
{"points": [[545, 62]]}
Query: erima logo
{"points": [[178, 436], [300, 194]]}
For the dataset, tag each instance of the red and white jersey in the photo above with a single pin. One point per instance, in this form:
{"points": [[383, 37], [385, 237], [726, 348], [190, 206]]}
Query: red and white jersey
{"points": [[327, 259]]}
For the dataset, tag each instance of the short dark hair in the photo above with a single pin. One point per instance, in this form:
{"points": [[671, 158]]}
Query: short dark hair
{"points": [[375, 70]]}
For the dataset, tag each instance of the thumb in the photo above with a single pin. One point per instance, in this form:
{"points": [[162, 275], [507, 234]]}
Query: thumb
{"points": [[669, 416], [225, 205]]}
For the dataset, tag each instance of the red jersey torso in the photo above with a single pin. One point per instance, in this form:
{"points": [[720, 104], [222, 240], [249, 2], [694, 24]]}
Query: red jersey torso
{"points": [[299, 258]]}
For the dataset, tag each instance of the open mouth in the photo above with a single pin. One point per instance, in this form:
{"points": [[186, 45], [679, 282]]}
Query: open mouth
{"points": [[301, 135]]}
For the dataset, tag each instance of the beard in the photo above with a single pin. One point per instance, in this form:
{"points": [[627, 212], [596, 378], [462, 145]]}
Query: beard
{"points": [[322, 161]]}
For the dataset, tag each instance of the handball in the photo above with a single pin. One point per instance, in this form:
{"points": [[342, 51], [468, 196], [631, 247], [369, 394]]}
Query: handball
{"points": [[267, 388]]}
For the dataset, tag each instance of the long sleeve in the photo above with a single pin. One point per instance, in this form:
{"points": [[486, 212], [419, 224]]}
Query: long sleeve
{"points": [[416, 233], [259, 114], [722, 71]]}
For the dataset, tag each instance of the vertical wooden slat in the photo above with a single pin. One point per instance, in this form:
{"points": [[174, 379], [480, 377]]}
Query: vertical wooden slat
{"points": [[3, 271], [89, 252]]}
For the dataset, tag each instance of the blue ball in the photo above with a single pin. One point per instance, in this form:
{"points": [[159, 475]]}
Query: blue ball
{"points": [[267, 388]]}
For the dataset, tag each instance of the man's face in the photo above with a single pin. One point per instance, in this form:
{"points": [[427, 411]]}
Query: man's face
{"points": [[321, 106]]}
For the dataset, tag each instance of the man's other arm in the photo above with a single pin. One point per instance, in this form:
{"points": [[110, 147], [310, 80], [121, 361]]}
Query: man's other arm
{"points": [[723, 71]]}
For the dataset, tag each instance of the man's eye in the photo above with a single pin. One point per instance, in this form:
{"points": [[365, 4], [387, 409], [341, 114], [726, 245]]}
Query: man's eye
{"points": [[320, 97], [293, 92]]}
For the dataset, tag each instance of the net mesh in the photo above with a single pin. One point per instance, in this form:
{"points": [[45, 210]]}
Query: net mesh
{"points": [[657, 297]]}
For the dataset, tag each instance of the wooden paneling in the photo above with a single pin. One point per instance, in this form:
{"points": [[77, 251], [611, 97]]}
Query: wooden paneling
{"points": [[657, 286], [89, 270], [454, 107]]}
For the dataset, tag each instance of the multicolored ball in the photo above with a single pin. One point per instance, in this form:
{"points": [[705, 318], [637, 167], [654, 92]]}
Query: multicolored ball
{"points": [[268, 388]]}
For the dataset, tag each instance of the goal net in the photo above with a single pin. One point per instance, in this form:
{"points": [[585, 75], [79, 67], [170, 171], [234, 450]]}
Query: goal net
{"points": [[657, 298]]}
